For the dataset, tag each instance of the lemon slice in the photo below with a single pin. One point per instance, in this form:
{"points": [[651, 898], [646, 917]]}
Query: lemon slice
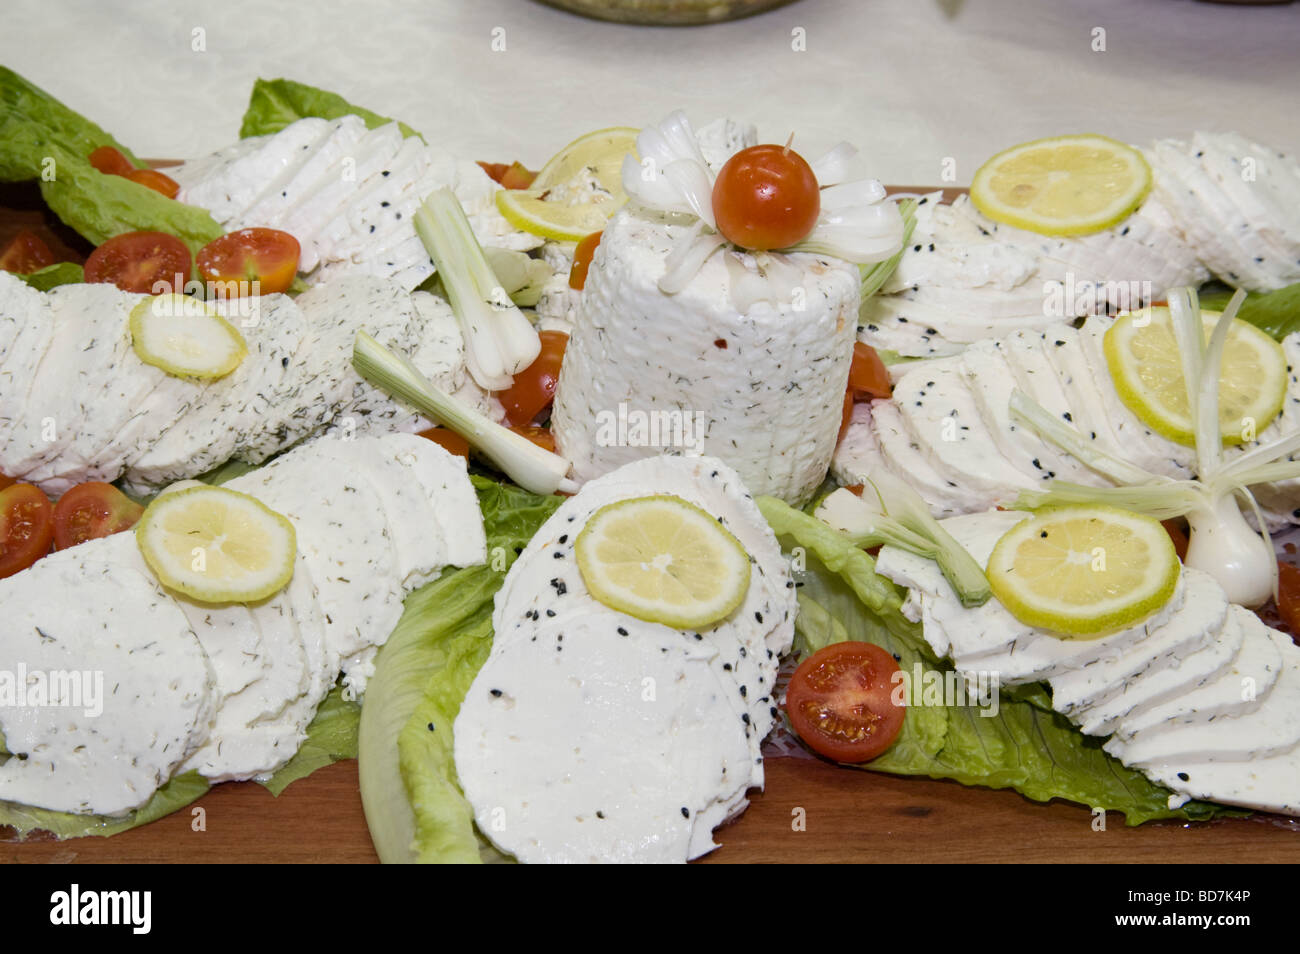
{"points": [[1067, 185], [1084, 571], [185, 337], [576, 191], [663, 560], [1143, 357], [217, 545]]}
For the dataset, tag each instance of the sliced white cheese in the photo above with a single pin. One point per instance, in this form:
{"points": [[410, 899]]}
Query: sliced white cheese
{"points": [[140, 690]]}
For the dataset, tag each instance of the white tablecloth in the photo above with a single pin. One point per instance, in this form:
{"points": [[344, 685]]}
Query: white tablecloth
{"points": [[912, 82]]}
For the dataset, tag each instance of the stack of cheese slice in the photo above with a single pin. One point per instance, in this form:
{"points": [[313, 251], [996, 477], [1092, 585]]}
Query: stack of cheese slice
{"points": [[78, 404], [948, 430], [226, 690], [348, 194], [1201, 697], [590, 735]]}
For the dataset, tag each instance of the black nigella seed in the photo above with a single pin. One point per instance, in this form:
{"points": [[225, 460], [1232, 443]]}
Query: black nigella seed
{"points": [[550, 613], [1043, 534], [560, 586], [431, 728], [564, 538], [727, 666], [558, 554], [622, 631], [758, 616], [496, 693], [685, 813], [1184, 776]]}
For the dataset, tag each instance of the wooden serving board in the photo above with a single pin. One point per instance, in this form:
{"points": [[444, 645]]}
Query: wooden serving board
{"points": [[811, 811]]}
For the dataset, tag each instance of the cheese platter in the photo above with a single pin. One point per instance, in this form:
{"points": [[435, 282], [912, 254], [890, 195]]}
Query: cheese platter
{"points": [[957, 300]]}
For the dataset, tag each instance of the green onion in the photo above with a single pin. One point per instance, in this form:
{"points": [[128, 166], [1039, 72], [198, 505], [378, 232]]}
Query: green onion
{"points": [[1221, 542], [499, 341], [531, 467], [875, 276], [890, 513]]}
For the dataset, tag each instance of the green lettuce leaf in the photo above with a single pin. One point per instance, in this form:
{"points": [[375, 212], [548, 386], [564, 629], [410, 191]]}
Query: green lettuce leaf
{"points": [[414, 805], [1025, 746], [175, 795], [277, 103], [331, 737], [44, 140], [51, 276], [1276, 312]]}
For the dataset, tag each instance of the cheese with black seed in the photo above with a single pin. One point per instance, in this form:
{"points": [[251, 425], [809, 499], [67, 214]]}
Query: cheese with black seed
{"points": [[663, 770], [760, 390]]}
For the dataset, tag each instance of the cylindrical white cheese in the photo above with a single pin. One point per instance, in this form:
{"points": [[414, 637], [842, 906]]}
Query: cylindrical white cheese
{"points": [[760, 387]]}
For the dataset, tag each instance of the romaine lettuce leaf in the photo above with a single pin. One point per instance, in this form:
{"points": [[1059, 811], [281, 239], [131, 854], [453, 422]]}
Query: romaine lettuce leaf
{"points": [[331, 737], [43, 140], [1276, 312], [1025, 746], [414, 805], [175, 795], [51, 276], [277, 103]]}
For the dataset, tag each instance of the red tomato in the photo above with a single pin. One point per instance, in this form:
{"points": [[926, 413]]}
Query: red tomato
{"points": [[868, 376], [143, 262], [92, 510], [25, 253], [111, 162], [841, 701], [153, 179], [582, 257], [448, 440], [534, 387], [26, 527], [1288, 596], [541, 436], [766, 197], [233, 262]]}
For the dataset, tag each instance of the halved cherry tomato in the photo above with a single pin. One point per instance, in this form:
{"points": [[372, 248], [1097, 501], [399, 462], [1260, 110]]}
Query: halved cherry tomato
{"points": [[26, 527], [150, 263], [1288, 596], [766, 197], [841, 701], [868, 376], [448, 440], [534, 387], [92, 510], [111, 162], [250, 261], [25, 253], [582, 257], [153, 179], [541, 436]]}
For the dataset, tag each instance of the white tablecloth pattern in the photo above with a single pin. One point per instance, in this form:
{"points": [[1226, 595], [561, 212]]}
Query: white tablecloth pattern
{"points": [[923, 87]]}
